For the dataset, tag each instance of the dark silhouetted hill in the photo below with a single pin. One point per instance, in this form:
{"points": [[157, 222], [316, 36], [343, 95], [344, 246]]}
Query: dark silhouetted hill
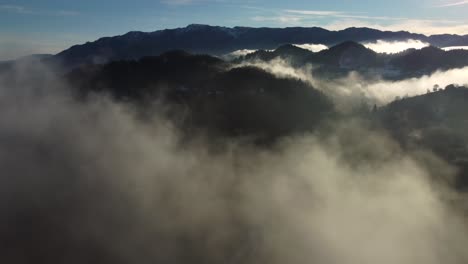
{"points": [[233, 101], [430, 59], [436, 121]]}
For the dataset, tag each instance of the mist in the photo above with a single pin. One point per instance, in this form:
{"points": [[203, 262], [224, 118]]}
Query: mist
{"points": [[455, 48], [391, 47], [238, 53], [350, 91], [312, 47], [10, 50], [353, 89], [92, 181], [244, 52]]}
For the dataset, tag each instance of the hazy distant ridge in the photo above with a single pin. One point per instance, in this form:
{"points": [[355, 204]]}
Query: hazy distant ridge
{"points": [[217, 40]]}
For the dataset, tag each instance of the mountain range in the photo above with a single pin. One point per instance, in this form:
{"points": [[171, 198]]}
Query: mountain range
{"points": [[216, 40]]}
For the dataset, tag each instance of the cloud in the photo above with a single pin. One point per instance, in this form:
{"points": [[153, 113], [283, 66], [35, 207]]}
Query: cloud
{"points": [[454, 4], [455, 48], [238, 53], [287, 19], [312, 47], [383, 92], [383, 46], [350, 91]]}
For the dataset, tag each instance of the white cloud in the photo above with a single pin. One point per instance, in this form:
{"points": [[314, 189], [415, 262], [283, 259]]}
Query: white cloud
{"points": [[238, 53], [454, 4], [242, 52], [455, 48], [386, 91], [382, 46], [349, 91], [312, 47], [286, 19], [351, 196]]}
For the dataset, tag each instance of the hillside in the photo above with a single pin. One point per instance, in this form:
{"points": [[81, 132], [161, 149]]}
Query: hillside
{"points": [[436, 121], [244, 101]]}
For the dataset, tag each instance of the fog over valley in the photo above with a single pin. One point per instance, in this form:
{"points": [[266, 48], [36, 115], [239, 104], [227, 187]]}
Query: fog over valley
{"points": [[125, 187], [236, 144]]}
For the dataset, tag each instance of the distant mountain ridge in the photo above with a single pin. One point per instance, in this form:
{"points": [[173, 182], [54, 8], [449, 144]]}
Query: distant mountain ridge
{"points": [[216, 40]]}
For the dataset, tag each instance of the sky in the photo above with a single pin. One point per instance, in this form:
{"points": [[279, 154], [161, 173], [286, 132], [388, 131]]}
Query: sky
{"points": [[49, 26]]}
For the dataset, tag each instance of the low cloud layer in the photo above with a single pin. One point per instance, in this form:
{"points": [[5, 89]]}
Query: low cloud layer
{"points": [[456, 48], [312, 47], [93, 182], [238, 53], [354, 88], [243, 52], [391, 47], [385, 91]]}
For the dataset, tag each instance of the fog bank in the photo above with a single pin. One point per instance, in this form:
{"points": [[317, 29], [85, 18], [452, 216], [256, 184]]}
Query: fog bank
{"points": [[312, 47], [354, 88], [391, 47], [92, 182], [455, 48], [238, 53]]}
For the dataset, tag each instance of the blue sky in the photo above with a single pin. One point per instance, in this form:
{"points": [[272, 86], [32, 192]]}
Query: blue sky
{"points": [[48, 26]]}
